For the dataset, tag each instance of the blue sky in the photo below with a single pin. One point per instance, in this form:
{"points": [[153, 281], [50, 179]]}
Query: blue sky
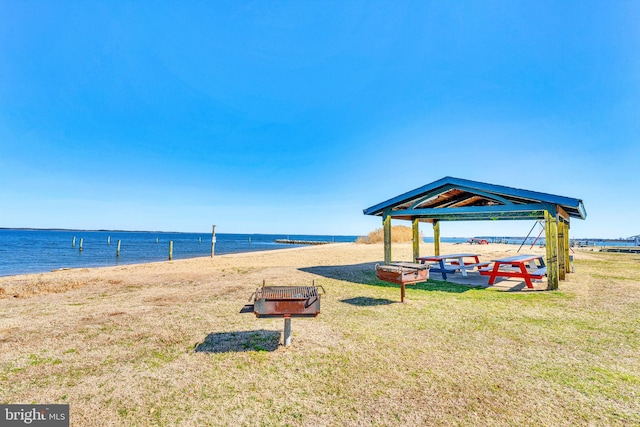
{"points": [[292, 117]]}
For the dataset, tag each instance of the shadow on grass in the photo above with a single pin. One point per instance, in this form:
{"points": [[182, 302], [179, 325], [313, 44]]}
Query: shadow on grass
{"points": [[437, 286], [226, 342], [355, 273], [364, 274], [366, 301]]}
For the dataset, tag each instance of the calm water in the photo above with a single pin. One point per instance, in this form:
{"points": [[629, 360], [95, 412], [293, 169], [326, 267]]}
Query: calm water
{"points": [[37, 251]]}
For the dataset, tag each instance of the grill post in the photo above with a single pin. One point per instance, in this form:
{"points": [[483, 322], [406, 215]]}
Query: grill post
{"points": [[287, 331]]}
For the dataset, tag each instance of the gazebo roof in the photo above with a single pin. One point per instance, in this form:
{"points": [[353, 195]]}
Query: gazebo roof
{"points": [[455, 199]]}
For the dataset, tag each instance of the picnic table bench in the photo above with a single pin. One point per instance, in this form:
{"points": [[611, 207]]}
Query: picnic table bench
{"points": [[527, 267], [456, 262]]}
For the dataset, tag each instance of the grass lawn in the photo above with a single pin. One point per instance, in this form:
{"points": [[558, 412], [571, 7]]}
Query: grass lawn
{"points": [[176, 352]]}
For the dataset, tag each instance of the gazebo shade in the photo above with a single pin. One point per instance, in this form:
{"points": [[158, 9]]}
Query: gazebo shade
{"points": [[455, 199]]}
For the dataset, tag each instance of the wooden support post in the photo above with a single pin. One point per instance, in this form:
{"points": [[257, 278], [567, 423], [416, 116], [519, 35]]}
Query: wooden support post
{"points": [[561, 260], [551, 236], [81, 240], [156, 240], [170, 250], [386, 224], [73, 242], [416, 238], [436, 237], [213, 240], [567, 255], [118, 249], [109, 240]]}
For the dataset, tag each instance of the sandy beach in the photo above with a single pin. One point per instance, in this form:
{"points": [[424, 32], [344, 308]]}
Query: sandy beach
{"points": [[276, 267], [164, 343]]}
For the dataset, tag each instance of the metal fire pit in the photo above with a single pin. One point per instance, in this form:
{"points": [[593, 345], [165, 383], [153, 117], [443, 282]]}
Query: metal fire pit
{"points": [[285, 302], [403, 273]]}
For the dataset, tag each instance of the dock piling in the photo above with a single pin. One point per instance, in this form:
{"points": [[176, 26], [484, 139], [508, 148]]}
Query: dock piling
{"points": [[213, 240]]}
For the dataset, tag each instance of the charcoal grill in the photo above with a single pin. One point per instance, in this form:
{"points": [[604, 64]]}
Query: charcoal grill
{"points": [[285, 302], [403, 273]]}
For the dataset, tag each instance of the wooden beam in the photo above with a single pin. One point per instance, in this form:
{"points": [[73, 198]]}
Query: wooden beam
{"points": [[485, 194], [386, 224], [415, 226], [561, 252], [436, 237], [513, 216], [551, 236], [431, 195], [567, 255], [475, 210], [562, 213]]}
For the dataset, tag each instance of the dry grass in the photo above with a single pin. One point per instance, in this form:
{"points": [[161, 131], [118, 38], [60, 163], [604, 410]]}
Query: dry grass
{"points": [[399, 234], [163, 344]]}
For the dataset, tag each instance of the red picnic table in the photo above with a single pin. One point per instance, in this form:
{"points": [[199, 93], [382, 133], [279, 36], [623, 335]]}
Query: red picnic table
{"points": [[456, 262], [526, 267]]}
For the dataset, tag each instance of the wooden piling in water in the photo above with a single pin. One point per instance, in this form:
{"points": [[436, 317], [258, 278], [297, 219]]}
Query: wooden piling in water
{"points": [[81, 244], [109, 240], [73, 242], [170, 250], [213, 240], [118, 250]]}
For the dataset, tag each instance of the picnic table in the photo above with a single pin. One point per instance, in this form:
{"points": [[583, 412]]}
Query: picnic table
{"points": [[456, 262], [527, 267]]}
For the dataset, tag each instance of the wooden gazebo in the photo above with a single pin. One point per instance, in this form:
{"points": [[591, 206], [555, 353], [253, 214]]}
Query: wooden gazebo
{"points": [[455, 199]]}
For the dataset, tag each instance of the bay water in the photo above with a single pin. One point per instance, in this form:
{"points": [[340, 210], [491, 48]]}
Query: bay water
{"points": [[25, 251]]}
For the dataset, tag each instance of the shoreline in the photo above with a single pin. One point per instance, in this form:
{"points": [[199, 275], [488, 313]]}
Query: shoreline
{"points": [[62, 280], [134, 263], [207, 268], [403, 249], [38, 251]]}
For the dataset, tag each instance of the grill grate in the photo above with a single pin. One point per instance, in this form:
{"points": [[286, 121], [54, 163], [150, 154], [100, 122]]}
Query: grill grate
{"points": [[286, 292]]}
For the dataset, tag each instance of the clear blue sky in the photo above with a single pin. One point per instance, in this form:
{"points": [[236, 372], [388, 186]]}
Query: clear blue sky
{"points": [[292, 117]]}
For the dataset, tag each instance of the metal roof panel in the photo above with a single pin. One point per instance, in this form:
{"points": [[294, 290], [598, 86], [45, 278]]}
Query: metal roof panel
{"points": [[502, 194]]}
